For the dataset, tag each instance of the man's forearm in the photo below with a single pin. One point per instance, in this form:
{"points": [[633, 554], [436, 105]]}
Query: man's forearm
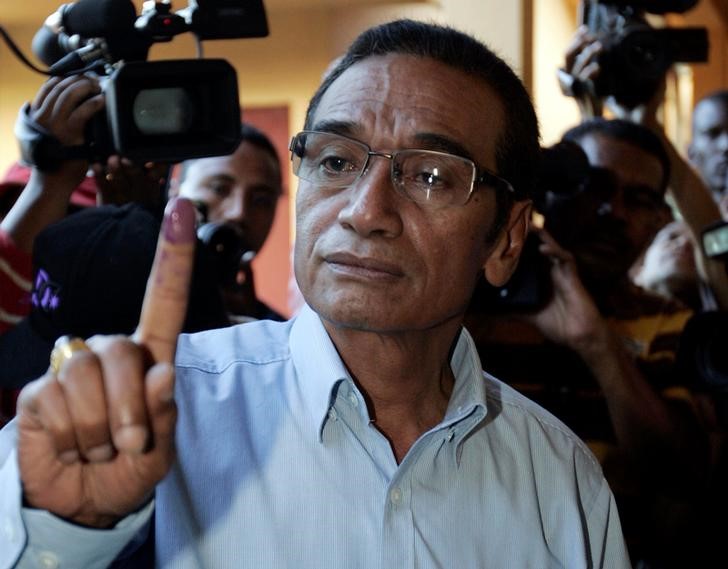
{"points": [[645, 424]]}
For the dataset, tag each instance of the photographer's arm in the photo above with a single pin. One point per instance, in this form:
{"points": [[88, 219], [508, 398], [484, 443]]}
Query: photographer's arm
{"points": [[62, 107], [697, 207], [646, 426], [690, 196]]}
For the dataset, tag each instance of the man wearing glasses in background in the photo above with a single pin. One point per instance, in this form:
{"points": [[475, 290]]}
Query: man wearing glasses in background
{"points": [[364, 432]]}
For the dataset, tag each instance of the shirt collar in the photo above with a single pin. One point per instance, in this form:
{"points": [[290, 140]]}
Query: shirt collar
{"points": [[321, 369], [317, 363], [468, 394]]}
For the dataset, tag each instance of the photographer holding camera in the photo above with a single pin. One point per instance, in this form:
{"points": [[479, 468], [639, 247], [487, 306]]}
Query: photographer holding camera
{"points": [[237, 196], [634, 92], [598, 352], [90, 264]]}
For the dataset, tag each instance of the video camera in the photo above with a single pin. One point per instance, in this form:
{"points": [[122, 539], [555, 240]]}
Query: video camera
{"points": [[636, 55], [156, 111]]}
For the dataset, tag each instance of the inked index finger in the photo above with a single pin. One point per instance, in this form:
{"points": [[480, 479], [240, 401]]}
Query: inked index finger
{"points": [[165, 300]]}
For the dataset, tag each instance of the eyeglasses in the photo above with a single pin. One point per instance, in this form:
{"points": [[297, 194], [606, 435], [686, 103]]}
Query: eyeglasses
{"points": [[427, 177]]}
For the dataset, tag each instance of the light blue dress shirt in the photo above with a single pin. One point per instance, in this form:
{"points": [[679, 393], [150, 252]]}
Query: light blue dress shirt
{"points": [[280, 466]]}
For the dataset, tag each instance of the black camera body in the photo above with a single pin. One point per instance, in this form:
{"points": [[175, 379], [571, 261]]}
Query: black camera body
{"points": [[226, 247], [636, 56], [563, 175], [156, 111]]}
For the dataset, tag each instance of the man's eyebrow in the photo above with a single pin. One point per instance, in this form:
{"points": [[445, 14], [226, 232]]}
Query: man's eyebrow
{"points": [[432, 141], [423, 140], [345, 128], [219, 177]]}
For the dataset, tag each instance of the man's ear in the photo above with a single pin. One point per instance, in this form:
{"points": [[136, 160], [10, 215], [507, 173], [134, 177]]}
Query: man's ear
{"points": [[503, 258]]}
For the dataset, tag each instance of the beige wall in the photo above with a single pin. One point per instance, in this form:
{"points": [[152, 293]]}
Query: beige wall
{"points": [[554, 24]]}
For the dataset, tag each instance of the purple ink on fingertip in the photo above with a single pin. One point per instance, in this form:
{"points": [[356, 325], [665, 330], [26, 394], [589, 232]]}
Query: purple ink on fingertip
{"points": [[179, 221]]}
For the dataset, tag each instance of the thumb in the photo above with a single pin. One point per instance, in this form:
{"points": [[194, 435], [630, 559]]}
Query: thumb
{"points": [[165, 301]]}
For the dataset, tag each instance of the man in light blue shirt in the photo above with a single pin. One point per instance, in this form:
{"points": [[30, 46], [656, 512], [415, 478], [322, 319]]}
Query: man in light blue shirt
{"points": [[363, 433]]}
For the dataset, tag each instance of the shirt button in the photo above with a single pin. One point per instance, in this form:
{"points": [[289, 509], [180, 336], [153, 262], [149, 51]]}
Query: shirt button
{"points": [[353, 400], [396, 496], [48, 560], [332, 414]]}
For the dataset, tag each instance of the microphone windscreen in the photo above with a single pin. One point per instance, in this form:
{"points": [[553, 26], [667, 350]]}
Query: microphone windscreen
{"points": [[98, 18], [46, 46]]}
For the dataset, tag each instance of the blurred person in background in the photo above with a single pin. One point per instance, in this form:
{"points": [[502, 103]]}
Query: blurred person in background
{"points": [[236, 195], [668, 266], [688, 195], [598, 351], [708, 149]]}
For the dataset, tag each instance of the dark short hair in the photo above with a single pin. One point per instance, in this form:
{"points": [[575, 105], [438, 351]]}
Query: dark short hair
{"points": [[625, 131], [248, 133], [517, 149], [256, 137]]}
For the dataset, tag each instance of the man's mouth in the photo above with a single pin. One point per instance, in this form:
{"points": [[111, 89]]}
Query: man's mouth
{"points": [[364, 267]]}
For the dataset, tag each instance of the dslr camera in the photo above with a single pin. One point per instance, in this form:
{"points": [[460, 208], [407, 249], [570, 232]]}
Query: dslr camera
{"points": [[157, 111], [637, 55]]}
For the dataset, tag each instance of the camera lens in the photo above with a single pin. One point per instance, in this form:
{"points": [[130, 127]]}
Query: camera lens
{"points": [[163, 111], [225, 245]]}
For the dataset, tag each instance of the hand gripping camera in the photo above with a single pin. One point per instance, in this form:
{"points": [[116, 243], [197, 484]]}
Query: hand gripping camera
{"points": [[637, 55], [158, 111]]}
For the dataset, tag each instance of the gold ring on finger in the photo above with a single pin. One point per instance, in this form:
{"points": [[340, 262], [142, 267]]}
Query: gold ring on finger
{"points": [[64, 349]]}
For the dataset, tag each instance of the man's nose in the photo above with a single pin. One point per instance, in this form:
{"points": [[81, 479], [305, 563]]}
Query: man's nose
{"points": [[234, 207], [372, 206]]}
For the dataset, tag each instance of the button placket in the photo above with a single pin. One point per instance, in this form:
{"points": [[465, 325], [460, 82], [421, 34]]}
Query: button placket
{"points": [[395, 496]]}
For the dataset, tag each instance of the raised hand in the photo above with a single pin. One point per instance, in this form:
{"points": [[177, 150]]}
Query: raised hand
{"points": [[97, 436], [62, 108], [571, 317], [120, 181]]}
